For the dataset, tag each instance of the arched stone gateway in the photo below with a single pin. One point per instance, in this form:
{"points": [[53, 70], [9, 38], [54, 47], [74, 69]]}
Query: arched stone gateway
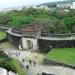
{"points": [[22, 41], [29, 43]]}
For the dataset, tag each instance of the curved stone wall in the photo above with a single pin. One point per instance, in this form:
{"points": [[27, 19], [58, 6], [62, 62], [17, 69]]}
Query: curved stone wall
{"points": [[44, 45], [14, 39], [54, 62]]}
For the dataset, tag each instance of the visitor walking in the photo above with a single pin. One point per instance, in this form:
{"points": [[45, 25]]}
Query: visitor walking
{"points": [[19, 53], [38, 74], [34, 63], [27, 67], [30, 61], [16, 54], [23, 60]]}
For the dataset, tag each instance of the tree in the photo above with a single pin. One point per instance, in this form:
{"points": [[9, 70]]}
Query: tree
{"points": [[59, 13], [4, 19], [69, 22], [19, 21]]}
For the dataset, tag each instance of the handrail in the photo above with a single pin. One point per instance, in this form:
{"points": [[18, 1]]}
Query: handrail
{"points": [[57, 35]]}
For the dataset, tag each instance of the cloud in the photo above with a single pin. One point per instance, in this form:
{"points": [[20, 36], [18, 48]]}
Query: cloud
{"points": [[14, 3]]}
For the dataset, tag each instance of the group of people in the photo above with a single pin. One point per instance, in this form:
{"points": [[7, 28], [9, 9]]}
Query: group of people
{"points": [[16, 53], [23, 60], [30, 62], [10, 53]]}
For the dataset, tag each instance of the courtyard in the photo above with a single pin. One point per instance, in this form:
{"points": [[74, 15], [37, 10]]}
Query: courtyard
{"points": [[37, 57]]}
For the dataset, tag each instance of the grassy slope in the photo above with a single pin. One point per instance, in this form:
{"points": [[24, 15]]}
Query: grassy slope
{"points": [[11, 64], [2, 35], [66, 55], [17, 66]]}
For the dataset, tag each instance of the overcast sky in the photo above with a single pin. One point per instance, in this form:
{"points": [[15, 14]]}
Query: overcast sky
{"points": [[16, 3]]}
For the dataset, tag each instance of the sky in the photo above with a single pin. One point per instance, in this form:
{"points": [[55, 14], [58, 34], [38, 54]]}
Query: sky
{"points": [[16, 3]]}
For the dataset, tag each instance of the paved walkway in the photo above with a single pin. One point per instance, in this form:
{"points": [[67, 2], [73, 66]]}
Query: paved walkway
{"points": [[34, 70]]}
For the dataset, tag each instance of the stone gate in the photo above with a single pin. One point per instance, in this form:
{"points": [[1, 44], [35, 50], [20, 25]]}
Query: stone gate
{"points": [[29, 43]]}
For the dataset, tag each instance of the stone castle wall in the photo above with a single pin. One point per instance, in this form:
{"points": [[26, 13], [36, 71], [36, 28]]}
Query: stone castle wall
{"points": [[44, 45]]}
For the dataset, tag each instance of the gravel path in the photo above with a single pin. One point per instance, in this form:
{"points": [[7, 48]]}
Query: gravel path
{"points": [[34, 70]]}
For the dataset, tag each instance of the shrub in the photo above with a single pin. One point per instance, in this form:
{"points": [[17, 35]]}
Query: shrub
{"points": [[16, 65]]}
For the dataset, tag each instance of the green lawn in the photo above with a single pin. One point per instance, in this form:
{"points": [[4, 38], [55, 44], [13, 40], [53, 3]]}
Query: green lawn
{"points": [[66, 55], [2, 35]]}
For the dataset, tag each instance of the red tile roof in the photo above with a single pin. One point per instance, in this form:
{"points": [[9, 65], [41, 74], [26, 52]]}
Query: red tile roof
{"points": [[35, 28]]}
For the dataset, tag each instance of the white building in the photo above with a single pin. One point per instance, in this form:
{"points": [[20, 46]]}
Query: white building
{"points": [[73, 5], [42, 7], [64, 5]]}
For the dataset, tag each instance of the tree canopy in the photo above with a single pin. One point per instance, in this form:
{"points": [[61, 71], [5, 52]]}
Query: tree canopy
{"points": [[57, 20]]}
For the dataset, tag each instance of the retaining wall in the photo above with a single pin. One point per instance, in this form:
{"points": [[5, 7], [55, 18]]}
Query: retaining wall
{"points": [[14, 40], [44, 45], [54, 62]]}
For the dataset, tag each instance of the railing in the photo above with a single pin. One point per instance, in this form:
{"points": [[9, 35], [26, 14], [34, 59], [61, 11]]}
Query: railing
{"points": [[58, 35]]}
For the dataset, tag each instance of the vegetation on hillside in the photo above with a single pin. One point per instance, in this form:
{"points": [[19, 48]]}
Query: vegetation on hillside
{"points": [[57, 20]]}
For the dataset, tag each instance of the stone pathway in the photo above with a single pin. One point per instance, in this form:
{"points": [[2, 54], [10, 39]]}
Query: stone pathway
{"points": [[34, 70], [8, 46]]}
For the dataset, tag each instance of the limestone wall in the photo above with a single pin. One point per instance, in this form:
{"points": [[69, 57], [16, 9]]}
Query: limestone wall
{"points": [[44, 45], [14, 40], [58, 63]]}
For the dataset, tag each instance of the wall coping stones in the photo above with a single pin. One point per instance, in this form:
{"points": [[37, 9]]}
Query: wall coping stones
{"points": [[58, 63]]}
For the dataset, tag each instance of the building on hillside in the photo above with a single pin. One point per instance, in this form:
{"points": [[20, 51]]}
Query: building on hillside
{"points": [[73, 5], [64, 5], [59, 4], [43, 7]]}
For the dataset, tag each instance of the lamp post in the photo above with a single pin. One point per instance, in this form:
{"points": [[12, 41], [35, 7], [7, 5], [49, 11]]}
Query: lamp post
{"points": [[51, 47], [20, 47]]}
